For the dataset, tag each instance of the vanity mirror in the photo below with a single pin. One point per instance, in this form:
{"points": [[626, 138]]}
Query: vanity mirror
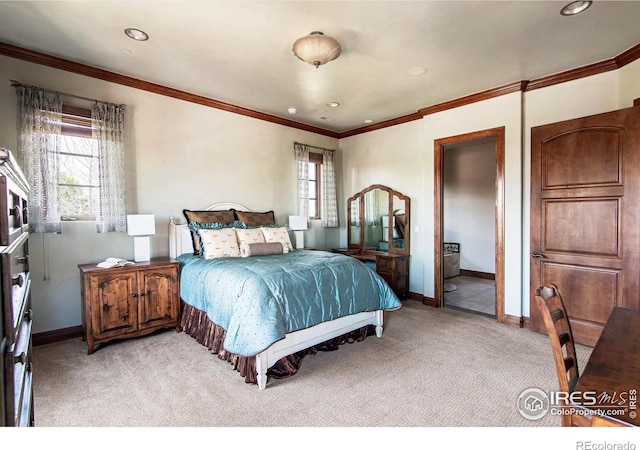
{"points": [[378, 234], [379, 220]]}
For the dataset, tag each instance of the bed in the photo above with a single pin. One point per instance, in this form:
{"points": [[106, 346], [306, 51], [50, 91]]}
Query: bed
{"points": [[261, 311]]}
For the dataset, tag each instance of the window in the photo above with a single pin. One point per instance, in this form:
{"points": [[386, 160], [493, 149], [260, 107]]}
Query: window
{"points": [[78, 166], [315, 188]]}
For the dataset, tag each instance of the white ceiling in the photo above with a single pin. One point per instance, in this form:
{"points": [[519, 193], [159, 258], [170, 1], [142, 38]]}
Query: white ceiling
{"points": [[239, 52]]}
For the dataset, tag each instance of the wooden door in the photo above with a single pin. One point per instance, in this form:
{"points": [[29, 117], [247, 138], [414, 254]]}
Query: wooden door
{"points": [[585, 230], [158, 296]]}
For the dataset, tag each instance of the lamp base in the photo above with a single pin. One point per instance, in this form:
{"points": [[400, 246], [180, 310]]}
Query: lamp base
{"points": [[299, 239], [141, 248]]}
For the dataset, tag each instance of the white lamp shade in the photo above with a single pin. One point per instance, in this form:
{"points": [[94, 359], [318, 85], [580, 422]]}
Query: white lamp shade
{"points": [[141, 224], [297, 223]]}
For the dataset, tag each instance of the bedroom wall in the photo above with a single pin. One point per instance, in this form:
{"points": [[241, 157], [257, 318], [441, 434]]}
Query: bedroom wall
{"points": [[178, 155], [469, 204], [393, 157]]}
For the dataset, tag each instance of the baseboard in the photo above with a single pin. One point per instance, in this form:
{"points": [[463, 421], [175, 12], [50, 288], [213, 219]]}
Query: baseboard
{"points": [[475, 274], [49, 337], [429, 301], [514, 321]]}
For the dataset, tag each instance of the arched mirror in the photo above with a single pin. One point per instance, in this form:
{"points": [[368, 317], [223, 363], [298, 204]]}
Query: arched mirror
{"points": [[379, 220]]}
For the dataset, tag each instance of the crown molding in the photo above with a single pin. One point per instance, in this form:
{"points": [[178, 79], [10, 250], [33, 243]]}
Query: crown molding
{"points": [[573, 74]]}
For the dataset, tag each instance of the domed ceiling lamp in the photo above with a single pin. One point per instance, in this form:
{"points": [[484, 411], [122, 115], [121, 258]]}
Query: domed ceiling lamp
{"points": [[317, 48]]}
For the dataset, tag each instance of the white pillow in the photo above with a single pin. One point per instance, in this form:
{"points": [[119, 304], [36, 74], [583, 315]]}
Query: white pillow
{"points": [[219, 243], [249, 236], [278, 235]]}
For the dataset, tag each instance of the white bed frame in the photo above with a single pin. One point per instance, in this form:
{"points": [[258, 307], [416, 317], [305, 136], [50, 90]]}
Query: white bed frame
{"points": [[180, 242]]}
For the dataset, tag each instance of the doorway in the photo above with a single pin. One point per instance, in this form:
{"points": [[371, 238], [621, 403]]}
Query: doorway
{"points": [[474, 282]]}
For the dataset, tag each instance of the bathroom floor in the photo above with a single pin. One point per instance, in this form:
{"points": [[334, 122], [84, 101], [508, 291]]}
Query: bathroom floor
{"points": [[477, 295]]}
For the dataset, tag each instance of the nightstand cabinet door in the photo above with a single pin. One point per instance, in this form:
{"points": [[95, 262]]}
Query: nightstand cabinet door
{"points": [[114, 308], [156, 297]]}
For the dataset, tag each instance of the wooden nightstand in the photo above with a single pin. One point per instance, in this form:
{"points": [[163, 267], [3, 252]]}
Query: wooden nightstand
{"points": [[130, 301]]}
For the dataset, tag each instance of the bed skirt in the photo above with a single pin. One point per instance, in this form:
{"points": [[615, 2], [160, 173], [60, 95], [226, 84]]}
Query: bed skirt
{"points": [[197, 324]]}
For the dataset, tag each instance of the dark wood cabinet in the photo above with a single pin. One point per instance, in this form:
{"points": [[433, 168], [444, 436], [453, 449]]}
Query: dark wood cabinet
{"points": [[16, 390], [394, 269], [129, 301]]}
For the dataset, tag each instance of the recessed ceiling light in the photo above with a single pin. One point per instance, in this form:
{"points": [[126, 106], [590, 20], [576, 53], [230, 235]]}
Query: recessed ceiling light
{"points": [[574, 8], [368, 121], [292, 110], [136, 34], [415, 71], [333, 104]]}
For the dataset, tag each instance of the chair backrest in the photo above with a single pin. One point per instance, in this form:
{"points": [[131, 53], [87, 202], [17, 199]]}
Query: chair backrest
{"points": [[558, 327]]}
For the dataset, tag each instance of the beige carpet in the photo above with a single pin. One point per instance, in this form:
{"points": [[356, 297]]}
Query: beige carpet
{"points": [[432, 367]]}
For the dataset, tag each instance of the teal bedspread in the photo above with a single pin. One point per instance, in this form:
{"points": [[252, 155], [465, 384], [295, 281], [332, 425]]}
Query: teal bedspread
{"points": [[261, 298]]}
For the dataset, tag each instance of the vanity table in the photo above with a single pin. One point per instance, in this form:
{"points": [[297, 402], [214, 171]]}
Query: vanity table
{"points": [[378, 234]]}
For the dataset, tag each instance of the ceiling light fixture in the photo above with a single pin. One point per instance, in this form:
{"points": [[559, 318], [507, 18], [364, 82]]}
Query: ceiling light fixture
{"points": [[292, 110], [333, 104], [135, 34], [317, 48], [574, 8]]}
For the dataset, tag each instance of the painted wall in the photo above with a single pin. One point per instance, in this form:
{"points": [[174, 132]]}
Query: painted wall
{"points": [[469, 204], [178, 155], [393, 157]]}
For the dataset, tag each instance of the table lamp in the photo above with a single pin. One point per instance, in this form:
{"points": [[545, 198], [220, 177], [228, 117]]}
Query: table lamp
{"points": [[298, 224], [141, 226]]}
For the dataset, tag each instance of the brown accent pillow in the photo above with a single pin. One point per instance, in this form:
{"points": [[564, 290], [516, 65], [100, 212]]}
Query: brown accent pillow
{"points": [[264, 248], [225, 216], [256, 219]]}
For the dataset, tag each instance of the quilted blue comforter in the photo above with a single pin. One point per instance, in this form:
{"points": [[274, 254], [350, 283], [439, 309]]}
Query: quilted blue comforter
{"points": [[261, 298]]}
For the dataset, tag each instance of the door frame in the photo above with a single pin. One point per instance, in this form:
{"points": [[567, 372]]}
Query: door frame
{"points": [[438, 150]]}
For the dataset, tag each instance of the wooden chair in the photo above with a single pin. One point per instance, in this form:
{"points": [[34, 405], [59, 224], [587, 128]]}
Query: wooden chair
{"points": [[556, 320]]}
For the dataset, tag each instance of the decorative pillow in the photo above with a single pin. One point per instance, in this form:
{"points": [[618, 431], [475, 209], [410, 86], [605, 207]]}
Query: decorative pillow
{"points": [[219, 243], [195, 227], [278, 235], [249, 236], [225, 216], [255, 219], [262, 248]]}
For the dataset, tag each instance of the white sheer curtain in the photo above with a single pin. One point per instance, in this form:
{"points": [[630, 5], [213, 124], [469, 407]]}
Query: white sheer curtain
{"points": [[302, 159], [108, 132], [329, 214], [39, 129]]}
